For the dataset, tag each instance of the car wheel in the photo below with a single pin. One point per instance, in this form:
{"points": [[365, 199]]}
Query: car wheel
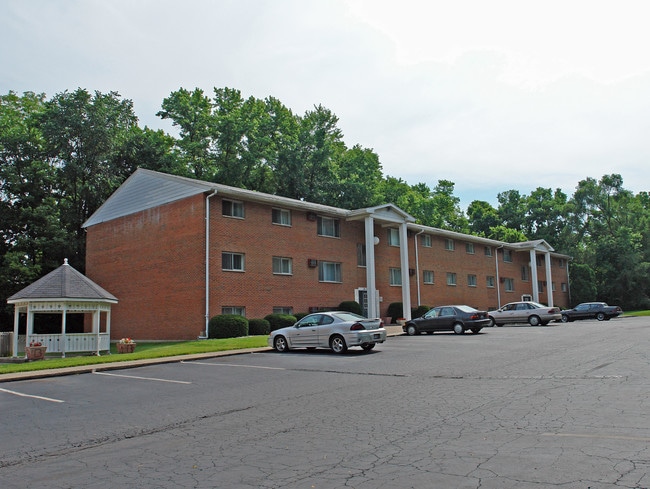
{"points": [[533, 320], [476, 330], [411, 330], [368, 346], [600, 316], [337, 344], [459, 328], [565, 318], [491, 324], [280, 344]]}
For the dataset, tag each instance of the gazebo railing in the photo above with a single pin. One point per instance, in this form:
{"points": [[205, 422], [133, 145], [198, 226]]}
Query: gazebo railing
{"points": [[68, 343]]}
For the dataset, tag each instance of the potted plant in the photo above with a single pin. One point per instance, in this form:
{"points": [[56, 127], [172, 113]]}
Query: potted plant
{"points": [[35, 351], [126, 345]]}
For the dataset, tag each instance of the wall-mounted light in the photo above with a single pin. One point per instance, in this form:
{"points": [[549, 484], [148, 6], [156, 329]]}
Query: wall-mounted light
{"points": [[376, 240]]}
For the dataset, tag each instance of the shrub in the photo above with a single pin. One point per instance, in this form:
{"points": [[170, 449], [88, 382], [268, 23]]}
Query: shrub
{"points": [[351, 306], [419, 311], [227, 326], [395, 311], [277, 321], [258, 327], [300, 315]]}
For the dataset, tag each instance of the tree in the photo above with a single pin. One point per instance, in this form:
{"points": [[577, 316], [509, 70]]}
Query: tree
{"points": [[482, 216]]}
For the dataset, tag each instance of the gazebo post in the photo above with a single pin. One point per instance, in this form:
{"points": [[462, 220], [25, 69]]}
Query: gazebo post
{"points": [[14, 346], [64, 322], [29, 330]]}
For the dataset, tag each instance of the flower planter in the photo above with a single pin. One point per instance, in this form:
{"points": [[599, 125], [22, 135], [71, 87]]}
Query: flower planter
{"points": [[35, 352], [125, 347]]}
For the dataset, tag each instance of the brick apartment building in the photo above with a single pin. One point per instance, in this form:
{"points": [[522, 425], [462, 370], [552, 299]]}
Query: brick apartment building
{"points": [[177, 251]]}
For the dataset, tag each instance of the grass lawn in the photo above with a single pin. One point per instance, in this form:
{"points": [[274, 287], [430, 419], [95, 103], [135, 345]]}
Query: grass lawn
{"points": [[142, 351]]}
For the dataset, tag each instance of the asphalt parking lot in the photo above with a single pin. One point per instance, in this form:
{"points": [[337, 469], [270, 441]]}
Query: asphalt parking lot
{"points": [[514, 407]]}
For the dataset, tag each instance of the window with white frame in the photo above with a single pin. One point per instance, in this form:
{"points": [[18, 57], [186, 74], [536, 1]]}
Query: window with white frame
{"points": [[487, 250], [237, 310], [426, 240], [507, 255], [281, 217], [469, 248], [282, 310], [282, 265], [393, 237], [427, 276], [329, 271], [328, 226], [471, 280], [509, 284], [451, 278], [449, 244], [361, 254], [395, 276], [232, 208], [564, 287], [489, 281], [232, 261], [561, 262], [524, 273]]}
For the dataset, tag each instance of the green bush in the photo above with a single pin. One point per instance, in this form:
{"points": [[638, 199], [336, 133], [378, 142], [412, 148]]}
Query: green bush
{"points": [[277, 321], [395, 311], [351, 306], [419, 311], [258, 327], [228, 326], [300, 315]]}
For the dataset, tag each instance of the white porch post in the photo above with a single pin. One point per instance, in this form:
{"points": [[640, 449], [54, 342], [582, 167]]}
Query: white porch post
{"points": [[64, 322], [373, 299], [404, 264], [549, 279], [14, 346], [533, 275], [29, 328], [97, 317]]}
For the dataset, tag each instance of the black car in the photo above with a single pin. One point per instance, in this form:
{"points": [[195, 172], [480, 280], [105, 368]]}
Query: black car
{"points": [[448, 318], [591, 310]]}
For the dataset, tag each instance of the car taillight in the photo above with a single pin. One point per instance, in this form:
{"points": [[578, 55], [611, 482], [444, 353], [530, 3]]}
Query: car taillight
{"points": [[381, 323], [357, 327], [475, 316]]}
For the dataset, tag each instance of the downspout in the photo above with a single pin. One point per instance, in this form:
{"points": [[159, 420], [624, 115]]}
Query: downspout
{"points": [[207, 262], [496, 261], [417, 265]]}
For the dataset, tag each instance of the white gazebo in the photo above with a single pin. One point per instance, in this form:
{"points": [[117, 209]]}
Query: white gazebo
{"points": [[64, 291]]}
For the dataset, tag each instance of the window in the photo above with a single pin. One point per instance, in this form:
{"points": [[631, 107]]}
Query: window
{"points": [[451, 278], [449, 244], [393, 237], [232, 261], [487, 250], [427, 277], [329, 272], [509, 284], [231, 208], [564, 287], [282, 266], [553, 286], [426, 240], [282, 310], [396, 276], [469, 248], [281, 217], [361, 255], [540, 285], [507, 255], [328, 227], [489, 281], [238, 310], [524, 273], [561, 262], [471, 280]]}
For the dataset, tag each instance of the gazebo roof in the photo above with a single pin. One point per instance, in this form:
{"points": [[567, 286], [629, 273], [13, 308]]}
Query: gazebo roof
{"points": [[63, 283]]}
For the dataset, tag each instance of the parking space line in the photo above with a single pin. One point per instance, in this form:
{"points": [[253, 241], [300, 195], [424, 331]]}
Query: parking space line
{"points": [[15, 393], [142, 378], [233, 365]]}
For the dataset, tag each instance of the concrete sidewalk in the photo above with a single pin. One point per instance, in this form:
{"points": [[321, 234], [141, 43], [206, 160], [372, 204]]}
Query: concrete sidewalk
{"points": [[54, 372]]}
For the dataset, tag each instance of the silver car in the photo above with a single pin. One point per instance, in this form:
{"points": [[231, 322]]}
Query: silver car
{"points": [[529, 312], [337, 330]]}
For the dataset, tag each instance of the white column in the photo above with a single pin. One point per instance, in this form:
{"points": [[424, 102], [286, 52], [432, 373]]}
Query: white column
{"points": [[549, 279], [533, 275], [14, 346], [404, 265], [373, 299]]}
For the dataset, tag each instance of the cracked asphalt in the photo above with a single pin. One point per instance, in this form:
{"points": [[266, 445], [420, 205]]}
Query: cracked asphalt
{"points": [[562, 406]]}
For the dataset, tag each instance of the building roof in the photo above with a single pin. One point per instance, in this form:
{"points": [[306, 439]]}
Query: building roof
{"points": [[63, 283]]}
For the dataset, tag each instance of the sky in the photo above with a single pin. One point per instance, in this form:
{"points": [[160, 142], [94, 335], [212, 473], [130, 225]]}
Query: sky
{"points": [[492, 95]]}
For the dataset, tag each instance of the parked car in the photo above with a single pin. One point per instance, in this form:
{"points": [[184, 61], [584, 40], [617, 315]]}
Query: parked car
{"points": [[448, 318], [337, 330], [529, 312], [591, 310]]}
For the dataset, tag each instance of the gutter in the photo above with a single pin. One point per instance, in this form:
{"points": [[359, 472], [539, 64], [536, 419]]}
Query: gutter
{"points": [[207, 263]]}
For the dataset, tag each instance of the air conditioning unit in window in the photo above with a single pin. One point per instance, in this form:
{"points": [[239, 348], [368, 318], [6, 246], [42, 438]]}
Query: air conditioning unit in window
{"points": [[502, 279], [312, 262], [411, 271], [311, 216]]}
